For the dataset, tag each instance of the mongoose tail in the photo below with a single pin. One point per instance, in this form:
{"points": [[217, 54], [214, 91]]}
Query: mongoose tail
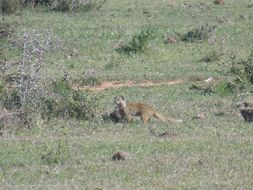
{"points": [[164, 119]]}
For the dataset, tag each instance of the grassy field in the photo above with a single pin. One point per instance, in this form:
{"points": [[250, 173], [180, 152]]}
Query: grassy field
{"points": [[211, 153]]}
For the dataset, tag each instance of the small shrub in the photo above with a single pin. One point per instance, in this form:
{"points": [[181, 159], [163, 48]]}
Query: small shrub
{"points": [[62, 87], [212, 57], [199, 34], [61, 5], [5, 30], [34, 3], [90, 77], [58, 155], [243, 71], [74, 5], [88, 5], [9, 6], [10, 98], [69, 103], [203, 87], [224, 88], [137, 44], [2, 85]]}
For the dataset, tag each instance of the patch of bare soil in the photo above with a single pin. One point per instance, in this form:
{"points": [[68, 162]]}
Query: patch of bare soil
{"points": [[119, 84]]}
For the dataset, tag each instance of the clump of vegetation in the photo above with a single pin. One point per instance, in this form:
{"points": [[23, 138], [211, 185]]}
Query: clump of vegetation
{"points": [[220, 87], [243, 71], [61, 5], [138, 43], [24, 92], [9, 6], [74, 5], [199, 34], [5, 31], [203, 87], [57, 155], [224, 88], [68, 103], [2, 85], [212, 57], [34, 3], [90, 77]]}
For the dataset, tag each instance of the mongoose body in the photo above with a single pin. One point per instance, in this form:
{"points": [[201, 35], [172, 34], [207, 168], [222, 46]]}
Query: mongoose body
{"points": [[145, 112]]}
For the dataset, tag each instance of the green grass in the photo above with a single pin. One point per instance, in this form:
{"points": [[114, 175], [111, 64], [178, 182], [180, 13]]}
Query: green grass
{"points": [[213, 153]]}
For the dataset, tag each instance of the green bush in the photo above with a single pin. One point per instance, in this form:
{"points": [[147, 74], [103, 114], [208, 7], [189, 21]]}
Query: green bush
{"points": [[2, 85], [212, 57], [36, 2], [57, 155], [243, 72], [9, 6], [5, 31], [138, 43], [69, 103], [90, 77], [224, 88], [61, 5], [10, 99], [199, 34]]}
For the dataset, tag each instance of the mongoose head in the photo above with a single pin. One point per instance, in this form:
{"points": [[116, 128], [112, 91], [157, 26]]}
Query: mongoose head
{"points": [[120, 101]]}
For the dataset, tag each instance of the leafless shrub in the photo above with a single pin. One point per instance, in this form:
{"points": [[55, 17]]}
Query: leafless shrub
{"points": [[21, 81]]}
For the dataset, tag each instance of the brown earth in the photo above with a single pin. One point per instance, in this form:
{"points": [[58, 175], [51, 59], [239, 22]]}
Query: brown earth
{"points": [[119, 84]]}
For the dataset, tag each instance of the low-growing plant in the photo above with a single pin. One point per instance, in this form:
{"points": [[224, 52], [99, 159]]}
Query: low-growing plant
{"points": [[61, 5], [62, 87], [5, 30], [137, 43], [9, 6], [203, 87], [2, 85], [224, 88], [11, 99], [212, 57], [199, 34], [67, 102], [34, 3], [243, 72], [88, 5], [57, 155], [90, 77], [74, 5]]}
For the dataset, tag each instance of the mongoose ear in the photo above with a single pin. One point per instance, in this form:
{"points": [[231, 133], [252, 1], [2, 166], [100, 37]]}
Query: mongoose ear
{"points": [[122, 97]]}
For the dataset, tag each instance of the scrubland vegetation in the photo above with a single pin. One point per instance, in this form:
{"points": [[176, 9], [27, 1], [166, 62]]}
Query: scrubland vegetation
{"points": [[55, 133]]}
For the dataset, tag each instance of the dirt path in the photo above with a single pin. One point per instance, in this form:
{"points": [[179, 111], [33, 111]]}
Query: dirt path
{"points": [[119, 84]]}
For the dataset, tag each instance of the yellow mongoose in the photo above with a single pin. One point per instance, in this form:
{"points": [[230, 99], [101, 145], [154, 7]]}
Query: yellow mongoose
{"points": [[127, 110]]}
